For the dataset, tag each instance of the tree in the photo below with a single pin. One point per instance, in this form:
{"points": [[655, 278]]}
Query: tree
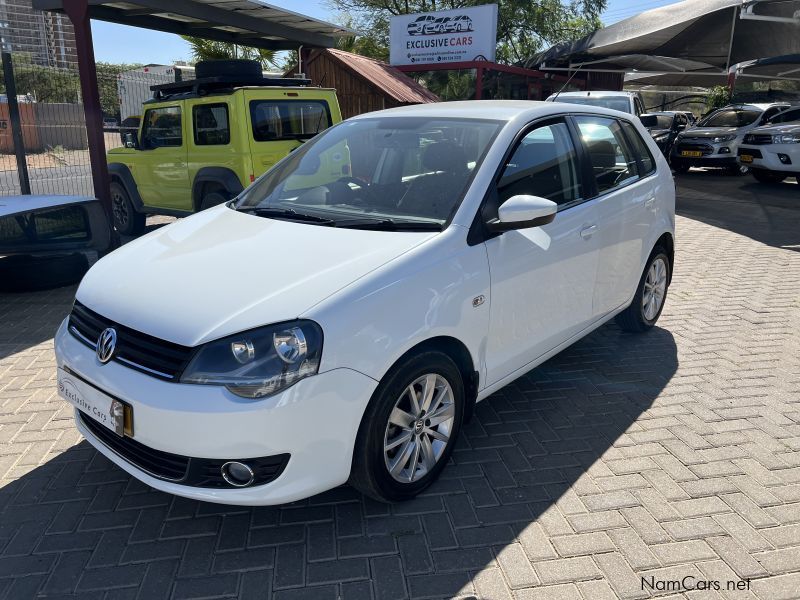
{"points": [[718, 96], [203, 49], [524, 27]]}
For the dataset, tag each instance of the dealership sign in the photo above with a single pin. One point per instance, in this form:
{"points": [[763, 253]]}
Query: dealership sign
{"points": [[444, 36]]}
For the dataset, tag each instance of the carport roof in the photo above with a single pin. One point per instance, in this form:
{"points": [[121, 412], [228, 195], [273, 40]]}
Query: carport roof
{"points": [[719, 33], [246, 22]]}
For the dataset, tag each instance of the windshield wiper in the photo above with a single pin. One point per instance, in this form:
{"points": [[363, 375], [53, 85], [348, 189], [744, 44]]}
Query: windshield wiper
{"points": [[388, 225], [287, 213]]}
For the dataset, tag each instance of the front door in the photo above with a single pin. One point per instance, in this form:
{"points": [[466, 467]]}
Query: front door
{"points": [[542, 278], [162, 171]]}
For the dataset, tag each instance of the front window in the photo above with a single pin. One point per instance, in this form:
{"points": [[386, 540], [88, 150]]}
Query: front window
{"points": [[731, 117], [288, 119], [162, 127], [613, 162], [391, 171], [787, 116], [621, 103]]}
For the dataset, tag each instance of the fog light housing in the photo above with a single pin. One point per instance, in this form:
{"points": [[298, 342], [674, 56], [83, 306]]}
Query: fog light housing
{"points": [[237, 474], [784, 158], [724, 150]]}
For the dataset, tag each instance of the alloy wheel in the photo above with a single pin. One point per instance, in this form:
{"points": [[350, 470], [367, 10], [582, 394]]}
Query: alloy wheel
{"points": [[655, 288], [419, 428]]}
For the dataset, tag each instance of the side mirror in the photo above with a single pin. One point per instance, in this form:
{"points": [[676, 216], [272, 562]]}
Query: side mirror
{"points": [[523, 212], [131, 140]]}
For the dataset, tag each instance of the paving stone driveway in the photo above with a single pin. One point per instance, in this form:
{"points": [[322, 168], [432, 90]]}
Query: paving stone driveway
{"points": [[662, 456]]}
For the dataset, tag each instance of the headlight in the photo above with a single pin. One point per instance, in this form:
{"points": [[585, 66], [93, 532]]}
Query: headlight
{"points": [[724, 138], [259, 362], [786, 138]]}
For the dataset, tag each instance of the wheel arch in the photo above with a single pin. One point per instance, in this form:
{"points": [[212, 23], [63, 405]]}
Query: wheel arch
{"points": [[220, 177], [667, 242], [121, 173], [458, 352]]}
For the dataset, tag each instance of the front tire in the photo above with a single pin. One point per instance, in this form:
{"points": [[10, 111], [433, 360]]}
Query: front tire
{"points": [[409, 428], [650, 296], [767, 176], [213, 199], [126, 218]]}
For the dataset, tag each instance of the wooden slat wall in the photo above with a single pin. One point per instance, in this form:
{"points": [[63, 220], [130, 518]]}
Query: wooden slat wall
{"points": [[355, 95]]}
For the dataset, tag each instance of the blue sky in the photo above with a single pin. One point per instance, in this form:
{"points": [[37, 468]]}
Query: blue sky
{"points": [[119, 43]]}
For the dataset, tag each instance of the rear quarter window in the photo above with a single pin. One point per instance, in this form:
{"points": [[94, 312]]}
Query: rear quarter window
{"points": [[288, 119]]}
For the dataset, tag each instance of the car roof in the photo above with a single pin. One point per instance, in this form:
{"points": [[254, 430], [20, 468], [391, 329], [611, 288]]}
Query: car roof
{"points": [[493, 110], [596, 93]]}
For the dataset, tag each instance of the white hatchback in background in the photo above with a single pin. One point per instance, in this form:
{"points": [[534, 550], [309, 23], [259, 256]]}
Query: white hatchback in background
{"points": [[339, 324], [628, 102]]}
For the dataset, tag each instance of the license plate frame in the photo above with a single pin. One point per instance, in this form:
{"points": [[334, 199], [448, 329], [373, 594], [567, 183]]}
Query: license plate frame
{"points": [[110, 412], [691, 153], [747, 158]]}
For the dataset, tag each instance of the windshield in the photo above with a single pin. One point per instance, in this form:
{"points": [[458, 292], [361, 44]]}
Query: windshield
{"points": [[392, 169], [622, 103], [656, 121], [731, 117]]}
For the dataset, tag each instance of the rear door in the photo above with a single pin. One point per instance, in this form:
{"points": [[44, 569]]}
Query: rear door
{"points": [[625, 201], [161, 170], [542, 277]]}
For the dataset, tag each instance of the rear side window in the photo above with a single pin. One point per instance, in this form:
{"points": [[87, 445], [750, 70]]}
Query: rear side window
{"points": [[211, 126], [162, 127], [544, 165], [647, 164], [288, 119], [613, 162]]}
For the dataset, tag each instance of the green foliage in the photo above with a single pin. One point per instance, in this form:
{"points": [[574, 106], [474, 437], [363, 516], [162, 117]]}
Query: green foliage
{"points": [[45, 84], [203, 49], [524, 27], [718, 96]]}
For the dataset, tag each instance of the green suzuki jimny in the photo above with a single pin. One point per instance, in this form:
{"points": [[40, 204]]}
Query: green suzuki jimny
{"points": [[201, 142]]}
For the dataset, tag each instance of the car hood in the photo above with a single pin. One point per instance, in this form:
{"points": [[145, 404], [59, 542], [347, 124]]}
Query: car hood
{"points": [[776, 129], [711, 132], [221, 271]]}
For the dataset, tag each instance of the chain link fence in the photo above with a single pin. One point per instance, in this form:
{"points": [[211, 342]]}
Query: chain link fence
{"points": [[48, 96]]}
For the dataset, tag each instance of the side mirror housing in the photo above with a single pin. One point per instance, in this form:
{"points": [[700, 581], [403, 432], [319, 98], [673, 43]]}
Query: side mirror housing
{"points": [[523, 212]]}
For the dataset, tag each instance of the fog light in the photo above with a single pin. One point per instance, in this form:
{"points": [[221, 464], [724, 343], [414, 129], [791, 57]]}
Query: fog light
{"points": [[784, 158], [237, 474], [724, 150]]}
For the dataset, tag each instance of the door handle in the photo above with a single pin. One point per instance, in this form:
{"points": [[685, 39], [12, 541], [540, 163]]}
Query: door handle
{"points": [[587, 232], [650, 202]]}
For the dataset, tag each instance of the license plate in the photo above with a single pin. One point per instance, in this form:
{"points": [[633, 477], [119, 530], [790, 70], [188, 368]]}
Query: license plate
{"points": [[746, 158], [691, 153], [104, 409]]}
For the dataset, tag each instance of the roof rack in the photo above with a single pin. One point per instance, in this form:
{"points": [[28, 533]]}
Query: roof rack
{"points": [[205, 85]]}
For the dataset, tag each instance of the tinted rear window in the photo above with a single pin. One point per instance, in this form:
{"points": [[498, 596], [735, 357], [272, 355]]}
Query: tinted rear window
{"points": [[288, 119]]}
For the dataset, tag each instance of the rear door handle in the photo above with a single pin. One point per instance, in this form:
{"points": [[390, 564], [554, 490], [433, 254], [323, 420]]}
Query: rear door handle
{"points": [[650, 202], [587, 232]]}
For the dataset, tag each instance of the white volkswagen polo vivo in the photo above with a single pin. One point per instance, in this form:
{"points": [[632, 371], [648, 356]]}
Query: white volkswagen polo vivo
{"points": [[339, 320]]}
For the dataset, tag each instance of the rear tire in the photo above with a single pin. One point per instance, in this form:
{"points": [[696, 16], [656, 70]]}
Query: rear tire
{"points": [[651, 294], [401, 446], [765, 176], [126, 219]]}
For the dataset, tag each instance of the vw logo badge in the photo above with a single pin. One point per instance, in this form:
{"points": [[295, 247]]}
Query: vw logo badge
{"points": [[106, 344]]}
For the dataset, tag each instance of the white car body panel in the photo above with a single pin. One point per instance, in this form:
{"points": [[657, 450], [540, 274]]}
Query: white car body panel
{"points": [[769, 152], [512, 301]]}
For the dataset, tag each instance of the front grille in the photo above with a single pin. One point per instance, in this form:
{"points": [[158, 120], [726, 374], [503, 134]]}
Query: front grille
{"points": [[134, 349], [704, 148], [758, 139], [195, 472]]}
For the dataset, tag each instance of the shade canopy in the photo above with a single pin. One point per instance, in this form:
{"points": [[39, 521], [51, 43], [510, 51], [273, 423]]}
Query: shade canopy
{"points": [[719, 33], [245, 22]]}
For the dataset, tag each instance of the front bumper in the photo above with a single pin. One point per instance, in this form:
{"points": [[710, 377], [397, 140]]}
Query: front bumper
{"points": [[766, 157], [315, 421], [714, 154]]}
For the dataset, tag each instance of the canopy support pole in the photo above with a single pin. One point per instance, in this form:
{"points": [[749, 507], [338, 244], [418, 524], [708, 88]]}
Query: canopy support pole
{"points": [[78, 12]]}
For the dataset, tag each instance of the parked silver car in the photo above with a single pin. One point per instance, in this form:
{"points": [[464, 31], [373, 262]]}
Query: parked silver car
{"points": [[715, 139]]}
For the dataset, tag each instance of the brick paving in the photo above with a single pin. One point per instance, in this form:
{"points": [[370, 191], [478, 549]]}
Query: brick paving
{"points": [[655, 457]]}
